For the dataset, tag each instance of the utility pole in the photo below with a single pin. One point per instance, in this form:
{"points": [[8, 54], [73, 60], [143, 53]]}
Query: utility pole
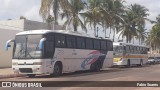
{"points": [[97, 31]]}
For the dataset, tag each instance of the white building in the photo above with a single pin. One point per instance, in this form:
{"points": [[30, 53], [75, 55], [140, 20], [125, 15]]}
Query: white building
{"points": [[8, 30]]}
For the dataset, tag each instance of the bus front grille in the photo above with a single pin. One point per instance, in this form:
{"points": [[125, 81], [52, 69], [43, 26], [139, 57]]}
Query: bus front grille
{"points": [[25, 70]]}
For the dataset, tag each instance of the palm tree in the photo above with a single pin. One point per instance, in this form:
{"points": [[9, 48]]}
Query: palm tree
{"points": [[116, 12], [50, 20], [154, 36], [104, 12], [72, 14], [55, 5], [93, 14], [127, 30], [107, 19], [134, 19], [142, 35]]}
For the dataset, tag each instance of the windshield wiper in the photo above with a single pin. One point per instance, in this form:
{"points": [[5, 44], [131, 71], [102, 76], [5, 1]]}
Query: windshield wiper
{"points": [[20, 53], [28, 54]]}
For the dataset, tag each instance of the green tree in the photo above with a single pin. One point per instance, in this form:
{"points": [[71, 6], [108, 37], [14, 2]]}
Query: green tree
{"points": [[142, 35], [134, 20], [72, 14], [55, 5], [50, 21], [93, 14], [154, 36]]}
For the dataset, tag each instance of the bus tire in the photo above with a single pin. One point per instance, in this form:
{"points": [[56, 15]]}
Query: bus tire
{"points": [[95, 67], [57, 69], [128, 63], [31, 75]]}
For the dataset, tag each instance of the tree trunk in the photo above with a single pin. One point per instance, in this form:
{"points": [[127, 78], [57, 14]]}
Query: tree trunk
{"points": [[75, 28], [75, 24], [127, 38], [110, 32], [114, 34], [133, 40], [105, 33], [95, 29]]}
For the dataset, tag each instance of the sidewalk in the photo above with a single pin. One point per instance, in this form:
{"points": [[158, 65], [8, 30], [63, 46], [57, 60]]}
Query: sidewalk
{"points": [[8, 73]]}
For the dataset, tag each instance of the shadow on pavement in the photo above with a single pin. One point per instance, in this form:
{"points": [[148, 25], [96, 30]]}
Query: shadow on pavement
{"points": [[82, 73]]}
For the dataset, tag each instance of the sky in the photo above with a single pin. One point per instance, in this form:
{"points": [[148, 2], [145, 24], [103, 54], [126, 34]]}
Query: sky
{"points": [[13, 9], [152, 5]]}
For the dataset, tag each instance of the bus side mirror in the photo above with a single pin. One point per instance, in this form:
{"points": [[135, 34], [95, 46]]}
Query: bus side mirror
{"points": [[8, 44], [41, 43]]}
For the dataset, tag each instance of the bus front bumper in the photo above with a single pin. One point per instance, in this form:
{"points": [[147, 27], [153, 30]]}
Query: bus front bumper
{"points": [[29, 70], [122, 62]]}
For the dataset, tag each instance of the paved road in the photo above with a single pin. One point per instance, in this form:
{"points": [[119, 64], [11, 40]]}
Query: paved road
{"points": [[146, 73]]}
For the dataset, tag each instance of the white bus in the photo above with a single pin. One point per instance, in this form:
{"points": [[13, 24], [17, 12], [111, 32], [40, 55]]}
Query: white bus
{"points": [[129, 54], [55, 52]]}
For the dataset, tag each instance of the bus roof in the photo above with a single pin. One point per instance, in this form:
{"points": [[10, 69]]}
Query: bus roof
{"points": [[122, 43], [68, 32]]}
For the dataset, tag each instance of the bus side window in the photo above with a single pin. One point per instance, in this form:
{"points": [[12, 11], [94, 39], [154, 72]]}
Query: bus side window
{"points": [[124, 48], [73, 41], [127, 49], [135, 49], [60, 41], [89, 43], [96, 44], [63, 43], [103, 45], [140, 50], [57, 40], [49, 49], [109, 46], [80, 43], [69, 41]]}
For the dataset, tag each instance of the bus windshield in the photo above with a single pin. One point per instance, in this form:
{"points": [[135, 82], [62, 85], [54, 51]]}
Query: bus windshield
{"points": [[118, 49], [26, 47]]}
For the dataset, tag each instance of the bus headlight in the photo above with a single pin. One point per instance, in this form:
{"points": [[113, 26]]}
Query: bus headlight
{"points": [[14, 63], [37, 63], [117, 59]]}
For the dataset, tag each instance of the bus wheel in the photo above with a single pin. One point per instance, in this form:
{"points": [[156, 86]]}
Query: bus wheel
{"points": [[141, 63], [57, 69], [128, 63], [31, 75], [95, 67]]}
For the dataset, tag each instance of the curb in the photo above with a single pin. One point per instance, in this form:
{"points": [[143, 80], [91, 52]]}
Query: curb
{"points": [[11, 76]]}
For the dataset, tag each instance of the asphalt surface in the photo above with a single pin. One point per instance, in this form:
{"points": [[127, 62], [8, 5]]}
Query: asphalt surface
{"points": [[145, 73]]}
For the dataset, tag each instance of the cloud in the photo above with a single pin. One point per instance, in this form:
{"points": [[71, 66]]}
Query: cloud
{"points": [[13, 9], [33, 14]]}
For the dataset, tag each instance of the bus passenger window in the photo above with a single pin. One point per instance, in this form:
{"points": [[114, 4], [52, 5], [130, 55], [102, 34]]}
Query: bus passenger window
{"points": [[96, 44], [73, 41], [103, 45], [89, 43], [60, 41], [69, 42], [80, 43]]}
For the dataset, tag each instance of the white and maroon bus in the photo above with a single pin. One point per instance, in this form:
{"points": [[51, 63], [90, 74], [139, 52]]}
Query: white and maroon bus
{"points": [[57, 51]]}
